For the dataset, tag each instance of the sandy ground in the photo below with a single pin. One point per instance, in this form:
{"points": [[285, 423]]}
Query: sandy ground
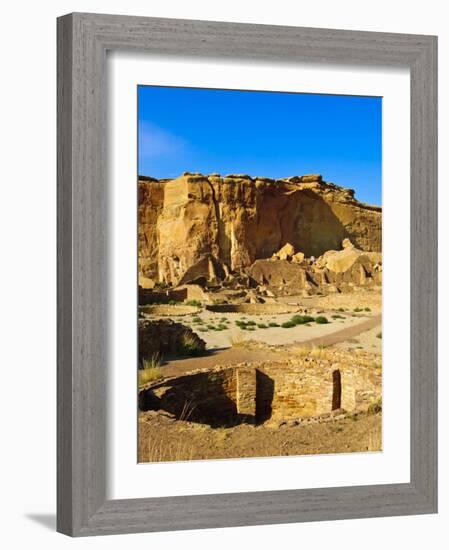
{"points": [[350, 337], [232, 334], [368, 340], [163, 439]]}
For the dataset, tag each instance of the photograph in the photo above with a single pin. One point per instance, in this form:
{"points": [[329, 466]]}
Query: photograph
{"points": [[259, 273]]}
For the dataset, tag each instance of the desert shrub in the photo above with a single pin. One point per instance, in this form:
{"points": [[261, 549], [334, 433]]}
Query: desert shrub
{"points": [[288, 324], [301, 319], [151, 362], [357, 309], [222, 327], [149, 375], [150, 369], [203, 329], [195, 303], [297, 319], [224, 320], [379, 335], [172, 302], [190, 345], [197, 319], [337, 317], [251, 323], [341, 309], [367, 309], [272, 324], [250, 328], [321, 320], [262, 325]]}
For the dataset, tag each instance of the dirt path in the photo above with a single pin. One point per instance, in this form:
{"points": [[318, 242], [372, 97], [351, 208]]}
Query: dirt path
{"points": [[345, 333], [241, 355]]}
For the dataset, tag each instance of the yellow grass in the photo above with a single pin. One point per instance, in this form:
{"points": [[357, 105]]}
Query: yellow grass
{"points": [[317, 352], [151, 369]]}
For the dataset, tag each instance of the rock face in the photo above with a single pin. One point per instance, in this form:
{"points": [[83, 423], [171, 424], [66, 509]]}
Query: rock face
{"points": [[198, 227]]}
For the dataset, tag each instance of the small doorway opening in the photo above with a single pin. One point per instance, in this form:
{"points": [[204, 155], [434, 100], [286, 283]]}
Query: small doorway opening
{"points": [[336, 390]]}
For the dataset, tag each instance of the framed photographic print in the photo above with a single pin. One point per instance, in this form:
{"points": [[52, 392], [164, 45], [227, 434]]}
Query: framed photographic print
{"points": [[246, 274]]}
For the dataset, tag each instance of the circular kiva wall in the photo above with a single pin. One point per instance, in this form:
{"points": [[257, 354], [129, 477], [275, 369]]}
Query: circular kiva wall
{"points": [[167, 310], [256, 392]]}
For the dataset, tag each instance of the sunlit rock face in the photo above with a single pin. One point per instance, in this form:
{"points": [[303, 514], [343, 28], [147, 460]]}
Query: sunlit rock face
{"points": [[202, 228]]}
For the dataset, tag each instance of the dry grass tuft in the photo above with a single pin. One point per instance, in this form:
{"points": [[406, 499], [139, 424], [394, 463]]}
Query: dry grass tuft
{"points": [[160, 451], [151, 369], [317, 352], [375, 439]]}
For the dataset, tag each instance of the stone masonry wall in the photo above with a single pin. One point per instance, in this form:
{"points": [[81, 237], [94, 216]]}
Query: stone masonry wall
{"points": [[255, 392]]}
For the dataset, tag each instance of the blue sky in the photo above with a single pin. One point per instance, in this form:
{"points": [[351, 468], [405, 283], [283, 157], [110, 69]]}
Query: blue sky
{"points": [[270, 134]]}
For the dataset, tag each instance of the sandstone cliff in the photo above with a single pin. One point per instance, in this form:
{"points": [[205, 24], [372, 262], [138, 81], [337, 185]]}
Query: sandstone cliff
{"points": [[208, 226]]}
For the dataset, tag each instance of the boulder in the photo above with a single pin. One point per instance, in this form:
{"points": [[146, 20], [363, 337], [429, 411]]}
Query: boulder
{"points": [[281, 276], [346, 243], [298, 257], [285, 253]]}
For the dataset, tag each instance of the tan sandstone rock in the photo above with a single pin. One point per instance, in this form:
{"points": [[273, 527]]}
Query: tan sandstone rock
{"points": [[198, 228], [285, 253]]}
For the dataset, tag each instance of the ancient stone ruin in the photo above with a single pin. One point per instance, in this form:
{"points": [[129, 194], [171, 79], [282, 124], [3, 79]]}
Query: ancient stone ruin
{"points": [[257, 392]]}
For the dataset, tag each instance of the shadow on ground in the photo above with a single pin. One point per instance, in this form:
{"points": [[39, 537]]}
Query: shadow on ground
{"points": [[46, 520]]}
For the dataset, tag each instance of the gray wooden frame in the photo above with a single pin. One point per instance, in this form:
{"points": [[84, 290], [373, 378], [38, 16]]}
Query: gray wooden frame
{"points": [[83, 40]]}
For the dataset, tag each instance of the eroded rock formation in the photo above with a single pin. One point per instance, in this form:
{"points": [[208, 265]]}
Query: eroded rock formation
{"points": [[198, 228]]}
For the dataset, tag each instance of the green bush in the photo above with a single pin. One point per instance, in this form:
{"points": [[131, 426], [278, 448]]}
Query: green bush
{"points": [[288, 324], [195, 303], [190, 346], [222, 327], [337, 317], [251, 323], [357, 309], [262, 325], [297, 320], [273, 324], [203, 329], [197, 320], [321, 320], [367, 309], [301, 319], [379, 335], [341, 309]]}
